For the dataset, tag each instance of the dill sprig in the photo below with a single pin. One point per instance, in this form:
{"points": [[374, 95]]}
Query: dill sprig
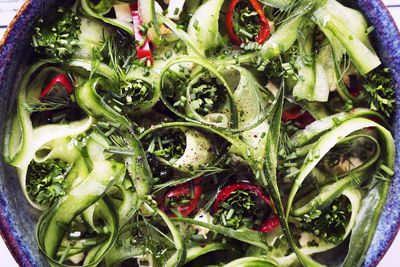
{"points": [[151, 238], [45, 103], [287, 12]]}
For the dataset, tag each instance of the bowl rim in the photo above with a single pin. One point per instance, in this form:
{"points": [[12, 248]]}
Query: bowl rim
{"points": [[11, 37]]}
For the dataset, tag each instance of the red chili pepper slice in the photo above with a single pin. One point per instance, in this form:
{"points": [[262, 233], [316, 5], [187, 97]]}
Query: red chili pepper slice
{"points": [[264, 25], [295, 114], [269, 224], [53, 90], [143, 51], [181, 191]]}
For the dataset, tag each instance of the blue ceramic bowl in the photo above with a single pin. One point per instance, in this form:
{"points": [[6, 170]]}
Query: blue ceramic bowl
{"points": [[18, 219]]}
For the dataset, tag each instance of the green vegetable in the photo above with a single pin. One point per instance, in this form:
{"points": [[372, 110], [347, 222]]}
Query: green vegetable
{"points": [[57, 36], [46, 181], [91, 102], [245, 235], [332, 18], [328, 224], [379, 88], [90, 190], [88, 8], [203, 26], [138, 167], [281, 40], [312, 84]]}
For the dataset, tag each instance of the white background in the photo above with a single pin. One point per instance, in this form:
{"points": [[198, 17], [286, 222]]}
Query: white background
{"points": [[8, 9]]}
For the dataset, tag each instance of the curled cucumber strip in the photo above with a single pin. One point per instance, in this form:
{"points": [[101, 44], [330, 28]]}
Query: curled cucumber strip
{"points": [[105, 212], [359, 170], [137, 165], [328, 140], [205, 153], [355, 198], [333, 17], [54, 223], [95, 253], [179, 258], [19, 137], [214, 71], [320, 126], [41, 136], [126, 26], [92, 103], [150, 82], [64, 149], [182, 35], [197, 151], [98, 68]]}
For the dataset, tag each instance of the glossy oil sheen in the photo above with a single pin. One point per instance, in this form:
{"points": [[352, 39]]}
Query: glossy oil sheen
{"points": [[18, 219]]}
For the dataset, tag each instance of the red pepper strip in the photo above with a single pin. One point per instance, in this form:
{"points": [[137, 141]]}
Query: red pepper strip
{"points": [[144, 50], [269, 224], [295, 114], [60, 78], [179, 191], [264, 25]]}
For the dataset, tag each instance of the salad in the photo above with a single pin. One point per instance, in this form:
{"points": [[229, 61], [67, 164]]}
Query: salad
{"points": [[203, 133]]}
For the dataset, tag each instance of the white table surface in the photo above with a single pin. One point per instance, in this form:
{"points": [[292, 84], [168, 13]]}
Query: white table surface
{"points": [[7, 10]]}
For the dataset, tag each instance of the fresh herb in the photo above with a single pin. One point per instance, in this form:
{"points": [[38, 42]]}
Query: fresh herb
{"points": [[46, 103], [136, 92], [150, 238], [240, 210], [45, 181], [57, 36], [207, 95], [169, 144], [379, 88], [328, 224]]}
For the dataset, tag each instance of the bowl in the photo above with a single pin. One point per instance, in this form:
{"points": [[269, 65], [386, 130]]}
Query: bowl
{"points": [[18, 218]]}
